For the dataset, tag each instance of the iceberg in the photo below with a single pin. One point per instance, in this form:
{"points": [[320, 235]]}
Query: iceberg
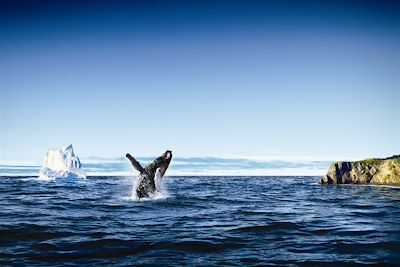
{"points": [[61, 163]]}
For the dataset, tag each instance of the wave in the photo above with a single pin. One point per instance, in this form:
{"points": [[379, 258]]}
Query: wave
{"points": [[117, 248], [270, 227]]}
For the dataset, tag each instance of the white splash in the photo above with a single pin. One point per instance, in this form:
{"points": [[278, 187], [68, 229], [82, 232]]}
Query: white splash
{"points": [[157, 180], [160, 192], [61, 163]]}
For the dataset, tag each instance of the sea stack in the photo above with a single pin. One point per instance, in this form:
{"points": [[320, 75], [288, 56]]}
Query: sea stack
{"points": [[369, 171]]}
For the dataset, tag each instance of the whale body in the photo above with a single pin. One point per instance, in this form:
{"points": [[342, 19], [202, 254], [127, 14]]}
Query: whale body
{"points": [[150, 177]]}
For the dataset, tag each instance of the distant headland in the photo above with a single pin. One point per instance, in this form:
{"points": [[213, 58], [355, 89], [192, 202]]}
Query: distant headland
{"points": [[369, 171]]}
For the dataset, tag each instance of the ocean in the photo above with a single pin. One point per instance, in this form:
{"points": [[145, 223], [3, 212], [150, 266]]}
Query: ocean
{"points": [[198, 221]]}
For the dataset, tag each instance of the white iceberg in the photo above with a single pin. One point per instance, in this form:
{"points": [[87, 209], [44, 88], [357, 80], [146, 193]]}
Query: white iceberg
{"points": [[61, 163]]}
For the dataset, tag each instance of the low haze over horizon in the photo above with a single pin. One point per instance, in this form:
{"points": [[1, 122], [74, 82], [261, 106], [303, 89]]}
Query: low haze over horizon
{"points": [[312, 80]]}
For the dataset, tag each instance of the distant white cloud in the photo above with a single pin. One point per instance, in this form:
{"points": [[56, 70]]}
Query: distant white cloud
{"points": [[204, 166]]}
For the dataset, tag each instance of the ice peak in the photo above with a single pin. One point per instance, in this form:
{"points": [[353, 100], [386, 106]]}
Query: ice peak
{"points": [[69, 149]]}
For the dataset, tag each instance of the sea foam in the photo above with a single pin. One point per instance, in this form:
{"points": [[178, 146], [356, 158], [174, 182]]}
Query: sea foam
{"points": [[160, 193]]}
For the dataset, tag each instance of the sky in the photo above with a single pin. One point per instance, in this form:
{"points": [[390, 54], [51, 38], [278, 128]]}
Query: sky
{"points": [[318, 80]]}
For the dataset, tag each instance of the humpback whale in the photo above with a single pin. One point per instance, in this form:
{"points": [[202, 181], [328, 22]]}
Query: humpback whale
{"points": [[149, 179]]}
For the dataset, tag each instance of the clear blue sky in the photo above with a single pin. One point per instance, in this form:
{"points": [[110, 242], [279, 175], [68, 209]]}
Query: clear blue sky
{"points": [[202, 78]]}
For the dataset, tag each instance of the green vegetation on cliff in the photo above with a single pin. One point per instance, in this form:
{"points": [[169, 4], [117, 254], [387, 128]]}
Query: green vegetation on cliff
{"points": [[368, 171]]}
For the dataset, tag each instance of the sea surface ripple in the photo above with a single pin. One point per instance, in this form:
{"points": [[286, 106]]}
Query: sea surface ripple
{"points": [[234, 221]]}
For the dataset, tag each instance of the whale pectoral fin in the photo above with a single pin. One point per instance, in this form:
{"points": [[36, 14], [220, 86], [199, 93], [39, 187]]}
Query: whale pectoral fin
{"points": [[134, 163]]}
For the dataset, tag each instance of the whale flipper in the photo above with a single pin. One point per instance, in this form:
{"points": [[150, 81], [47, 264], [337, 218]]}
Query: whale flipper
{"points": [[135, 163]]}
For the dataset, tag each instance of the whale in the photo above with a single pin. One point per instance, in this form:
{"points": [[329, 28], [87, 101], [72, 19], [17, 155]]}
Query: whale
{"points": [[150, 177]]}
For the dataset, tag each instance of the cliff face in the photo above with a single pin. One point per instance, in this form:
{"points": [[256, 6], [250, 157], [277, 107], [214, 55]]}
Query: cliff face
{"points": [[370, 171]]}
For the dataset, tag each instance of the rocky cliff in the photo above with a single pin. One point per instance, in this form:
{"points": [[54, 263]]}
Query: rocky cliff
{"points": [[369, 171]]}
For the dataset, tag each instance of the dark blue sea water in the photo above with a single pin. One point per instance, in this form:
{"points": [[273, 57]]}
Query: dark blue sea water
{"points": [[204, 221]]}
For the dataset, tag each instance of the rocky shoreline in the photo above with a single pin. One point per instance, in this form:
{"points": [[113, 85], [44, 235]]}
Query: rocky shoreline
{"points": [[369, 171]]}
